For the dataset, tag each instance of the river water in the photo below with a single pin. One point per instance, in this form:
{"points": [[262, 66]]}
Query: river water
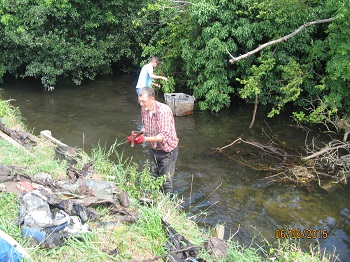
{"points": [[215, 189]]}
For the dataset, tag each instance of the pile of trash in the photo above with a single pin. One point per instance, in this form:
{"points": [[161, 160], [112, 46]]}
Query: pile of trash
{"points": [[51, 211]]}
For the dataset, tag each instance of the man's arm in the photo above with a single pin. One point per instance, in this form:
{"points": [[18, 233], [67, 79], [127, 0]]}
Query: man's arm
{"points": [[156, 84], [153, 76], [154, 139]]}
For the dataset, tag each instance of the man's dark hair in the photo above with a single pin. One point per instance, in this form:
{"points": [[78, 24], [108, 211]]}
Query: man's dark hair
{"points": [[147, 90]]}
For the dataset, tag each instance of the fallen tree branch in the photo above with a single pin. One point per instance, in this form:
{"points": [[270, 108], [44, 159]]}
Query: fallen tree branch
{"points": [[284, 38], [325, 150], [268, 149], [237, 141]]}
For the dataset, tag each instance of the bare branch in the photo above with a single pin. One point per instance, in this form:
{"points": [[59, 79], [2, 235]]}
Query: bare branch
{"points": [[325, 150], [183, 2], [237, 141], [269, 149], [284, 38]]}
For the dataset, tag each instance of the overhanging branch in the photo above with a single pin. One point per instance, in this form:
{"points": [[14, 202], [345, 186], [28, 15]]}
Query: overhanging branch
{"points": [[284, 38]]}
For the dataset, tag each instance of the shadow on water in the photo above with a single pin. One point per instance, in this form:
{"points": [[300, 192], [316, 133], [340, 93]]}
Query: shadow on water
{"points": [[214, 188]]}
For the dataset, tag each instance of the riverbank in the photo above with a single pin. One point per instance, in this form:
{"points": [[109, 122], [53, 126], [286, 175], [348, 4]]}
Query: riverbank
{"points": [[143, 240]]}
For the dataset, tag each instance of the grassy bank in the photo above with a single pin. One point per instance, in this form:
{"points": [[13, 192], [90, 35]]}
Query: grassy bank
{"points": [[139, 241]]}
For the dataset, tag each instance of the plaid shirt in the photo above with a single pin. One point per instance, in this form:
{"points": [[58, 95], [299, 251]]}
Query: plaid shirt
{"points": [[160, 122]]}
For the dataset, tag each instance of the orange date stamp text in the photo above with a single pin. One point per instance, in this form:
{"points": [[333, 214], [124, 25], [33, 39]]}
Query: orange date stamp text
{"points": [[301, 233]]}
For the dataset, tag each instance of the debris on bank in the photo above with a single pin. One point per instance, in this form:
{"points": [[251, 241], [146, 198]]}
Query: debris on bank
{"points": [[17, 137], [52, 211], [11, 250]]}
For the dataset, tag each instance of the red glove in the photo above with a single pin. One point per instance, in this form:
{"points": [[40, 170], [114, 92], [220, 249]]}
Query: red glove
{"points": [[139, 139], [129, 138]]}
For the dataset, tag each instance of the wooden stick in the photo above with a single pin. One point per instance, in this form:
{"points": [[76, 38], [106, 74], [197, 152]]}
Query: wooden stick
{"points": [[47, 135], [13, 142], [9, 139]]}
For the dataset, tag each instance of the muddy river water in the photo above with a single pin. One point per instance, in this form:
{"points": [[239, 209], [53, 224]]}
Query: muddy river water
{"points": [[215, 189]]}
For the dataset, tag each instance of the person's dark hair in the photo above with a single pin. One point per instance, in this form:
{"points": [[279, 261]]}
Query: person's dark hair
{"points": [[147, 90]]}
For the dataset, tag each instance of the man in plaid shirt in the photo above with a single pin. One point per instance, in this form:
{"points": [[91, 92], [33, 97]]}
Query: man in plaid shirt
{"points": [[159, 131]]}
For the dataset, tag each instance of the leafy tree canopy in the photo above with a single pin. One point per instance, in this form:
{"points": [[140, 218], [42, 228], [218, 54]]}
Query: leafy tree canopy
{"points": [[310, 70], [194, 39], [73, 38]]}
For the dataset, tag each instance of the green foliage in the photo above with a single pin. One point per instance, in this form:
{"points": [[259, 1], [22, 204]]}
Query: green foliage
{"points": [[195, 38], [253, 83], [127, 176], [9, 115], [169, 86], [150, 227], [9, 211], [72, 38], [329, 98], [4, 109], [165, 40], [142, 184], [290, 92], [102, 157]]}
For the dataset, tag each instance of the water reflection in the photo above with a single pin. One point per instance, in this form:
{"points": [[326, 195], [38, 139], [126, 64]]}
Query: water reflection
{"points": [[214, 188]]}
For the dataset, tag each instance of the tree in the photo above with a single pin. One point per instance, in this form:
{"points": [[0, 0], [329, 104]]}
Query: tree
{"points": [[312, 85], [302, 71], [73, 38]]}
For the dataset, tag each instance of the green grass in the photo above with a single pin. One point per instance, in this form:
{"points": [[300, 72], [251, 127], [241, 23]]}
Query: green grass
{"points": [[9, 215], [138, 241]]}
